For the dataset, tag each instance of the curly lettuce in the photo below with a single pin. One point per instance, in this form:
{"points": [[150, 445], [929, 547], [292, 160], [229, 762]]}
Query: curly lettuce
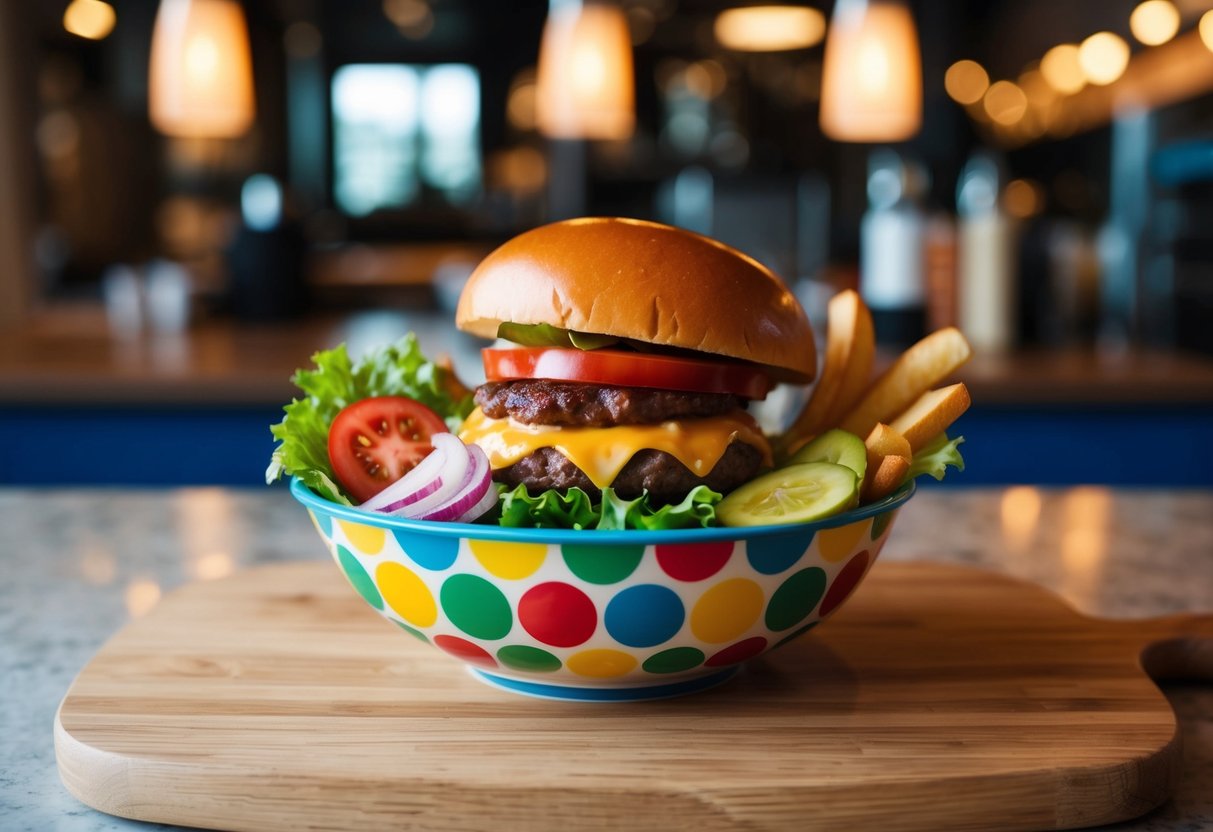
{"points": [[398, 369], [934, 458], [575, 509]]}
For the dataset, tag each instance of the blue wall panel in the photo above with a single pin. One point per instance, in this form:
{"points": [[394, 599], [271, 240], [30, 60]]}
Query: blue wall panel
{"points": [[231, 446]]}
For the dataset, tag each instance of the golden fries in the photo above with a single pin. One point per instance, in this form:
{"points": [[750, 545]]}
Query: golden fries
{"points": [[931, 414], [850, 348], [889, 457], [922, 365]]}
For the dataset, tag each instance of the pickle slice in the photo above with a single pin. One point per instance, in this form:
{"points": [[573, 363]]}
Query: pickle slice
{"points": [[793, 494], [835, 446]]}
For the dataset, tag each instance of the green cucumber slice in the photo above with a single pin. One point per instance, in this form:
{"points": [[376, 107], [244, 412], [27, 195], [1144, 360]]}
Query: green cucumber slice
{"points": [[835, 446], [793, 494]]}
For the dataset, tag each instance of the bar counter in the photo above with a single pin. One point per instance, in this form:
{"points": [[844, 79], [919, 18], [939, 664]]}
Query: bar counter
{"points": [[69, 355], [81, 562]]}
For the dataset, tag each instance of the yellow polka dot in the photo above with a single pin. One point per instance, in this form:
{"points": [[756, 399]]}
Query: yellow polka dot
{"points": [[510, 561], [726, 610], [366, 539], [837, 544], [406, 594], [601, 663]]}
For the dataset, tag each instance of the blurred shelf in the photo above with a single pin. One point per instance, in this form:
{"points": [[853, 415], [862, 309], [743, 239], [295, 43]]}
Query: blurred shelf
{"points": [[69, 356]]}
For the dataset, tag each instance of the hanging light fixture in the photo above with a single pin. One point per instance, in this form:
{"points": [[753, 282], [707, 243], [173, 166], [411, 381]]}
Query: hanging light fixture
{"points": [[871, 87], [200, 82], [585, 88]]}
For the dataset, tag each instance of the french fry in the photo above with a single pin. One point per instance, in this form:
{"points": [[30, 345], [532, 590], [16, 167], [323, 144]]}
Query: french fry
{"points": [[887, 450], [850, 348], [885, 479], [931, 414], [922, 365]]}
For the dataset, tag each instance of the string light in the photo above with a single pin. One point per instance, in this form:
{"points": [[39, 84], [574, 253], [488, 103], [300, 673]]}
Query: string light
{"points": [[1062, 70], [1104, 58], [966, 82], [1154, 22]]}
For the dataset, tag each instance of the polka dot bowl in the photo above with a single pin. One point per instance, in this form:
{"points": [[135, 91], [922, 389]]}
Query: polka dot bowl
{"points": [[603, 616]]}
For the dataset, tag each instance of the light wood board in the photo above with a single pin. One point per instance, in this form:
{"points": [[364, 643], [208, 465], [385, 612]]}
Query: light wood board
{"points": [[939, 697]]}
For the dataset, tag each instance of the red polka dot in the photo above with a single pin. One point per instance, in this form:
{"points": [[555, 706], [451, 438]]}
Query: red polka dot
{"points": [[694, 561], [463, 649], [558, 614], [841, 589], [738, 652]]}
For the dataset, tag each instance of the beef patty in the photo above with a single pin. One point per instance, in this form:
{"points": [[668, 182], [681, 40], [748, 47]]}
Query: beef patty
{"points": [[666, 479], [569, 403]]}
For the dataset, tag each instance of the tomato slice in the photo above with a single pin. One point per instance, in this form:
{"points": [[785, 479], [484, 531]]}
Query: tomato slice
{"points": [[375, 442], [626, 369]]}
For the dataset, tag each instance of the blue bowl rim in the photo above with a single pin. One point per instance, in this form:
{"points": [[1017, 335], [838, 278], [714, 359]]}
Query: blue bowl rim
{"points": [[623, 537]]}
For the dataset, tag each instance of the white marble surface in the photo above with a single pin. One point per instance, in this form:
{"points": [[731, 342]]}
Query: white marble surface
{"points": [[76, 564]]}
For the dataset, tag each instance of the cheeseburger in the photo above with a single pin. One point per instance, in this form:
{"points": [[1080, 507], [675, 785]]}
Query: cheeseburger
{"points": [[635, 348]]}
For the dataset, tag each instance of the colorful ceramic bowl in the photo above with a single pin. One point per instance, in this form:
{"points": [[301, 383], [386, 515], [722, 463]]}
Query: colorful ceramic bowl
{"points": [[603, 616]]}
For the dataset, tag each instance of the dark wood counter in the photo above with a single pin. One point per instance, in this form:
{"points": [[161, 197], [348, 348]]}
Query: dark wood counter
{"points": [[68, 355]]}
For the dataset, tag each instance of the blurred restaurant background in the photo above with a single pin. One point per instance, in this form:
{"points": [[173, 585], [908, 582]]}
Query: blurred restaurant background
{"points": [[196, 195]]}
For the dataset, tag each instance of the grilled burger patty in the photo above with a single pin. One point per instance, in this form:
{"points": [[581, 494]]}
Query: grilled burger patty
{"points": [[568, 403], [666, 479]]}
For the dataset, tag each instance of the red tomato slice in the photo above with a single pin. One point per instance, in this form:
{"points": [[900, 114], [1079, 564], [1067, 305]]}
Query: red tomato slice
{"points": [[375, 442], [626, 369]]}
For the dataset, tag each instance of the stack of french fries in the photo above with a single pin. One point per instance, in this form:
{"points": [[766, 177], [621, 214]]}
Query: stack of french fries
{"points": [[899, 412]]}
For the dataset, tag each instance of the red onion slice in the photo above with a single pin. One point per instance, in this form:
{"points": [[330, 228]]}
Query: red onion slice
{"points": [[456, 469], [423, 480], [478, 482], [486, 502]]}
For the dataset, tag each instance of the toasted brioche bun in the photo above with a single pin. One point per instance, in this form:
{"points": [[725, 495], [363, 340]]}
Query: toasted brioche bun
{"points": [[645, 281]]}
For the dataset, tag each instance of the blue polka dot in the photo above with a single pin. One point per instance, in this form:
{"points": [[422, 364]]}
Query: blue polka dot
{"points": [[644, 616], [324, 522], [773, 554], [428, 551]]}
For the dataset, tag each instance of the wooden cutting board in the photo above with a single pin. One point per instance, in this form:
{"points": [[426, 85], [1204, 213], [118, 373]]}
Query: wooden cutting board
{"points": [[940, 697]]}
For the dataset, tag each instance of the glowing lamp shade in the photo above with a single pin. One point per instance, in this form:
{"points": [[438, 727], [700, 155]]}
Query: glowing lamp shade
{"points": [[769, 28], [585, 87], [200, 83], [871, 89]]}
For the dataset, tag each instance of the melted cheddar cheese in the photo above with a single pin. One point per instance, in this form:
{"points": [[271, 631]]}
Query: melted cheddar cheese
{"points": [[602, 452]]}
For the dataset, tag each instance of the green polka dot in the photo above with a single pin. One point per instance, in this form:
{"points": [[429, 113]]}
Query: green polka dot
{"points": [[410, 630], [601, 564], [795, 598], [797, 634], [476, 606], [881, 522], [532, 659], [358, 577], [674, 660]]}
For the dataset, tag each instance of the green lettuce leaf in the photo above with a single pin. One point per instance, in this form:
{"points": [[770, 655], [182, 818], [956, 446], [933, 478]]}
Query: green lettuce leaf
{"points": [[576, 510], [398, 369], [935, 457]]}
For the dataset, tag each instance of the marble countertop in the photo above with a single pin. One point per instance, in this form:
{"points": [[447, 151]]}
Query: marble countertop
{"points": [[77, 564]]}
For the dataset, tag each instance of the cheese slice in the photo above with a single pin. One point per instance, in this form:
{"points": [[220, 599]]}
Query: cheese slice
{"points": [[602, 452]]}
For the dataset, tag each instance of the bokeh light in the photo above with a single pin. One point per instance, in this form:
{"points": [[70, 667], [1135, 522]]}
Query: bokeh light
{"points": [[1103, 57], [91, 19], [1206, 29], [966, 82], [1063, 71], [1154, 22], [1005, 103], [1023, 198]]}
